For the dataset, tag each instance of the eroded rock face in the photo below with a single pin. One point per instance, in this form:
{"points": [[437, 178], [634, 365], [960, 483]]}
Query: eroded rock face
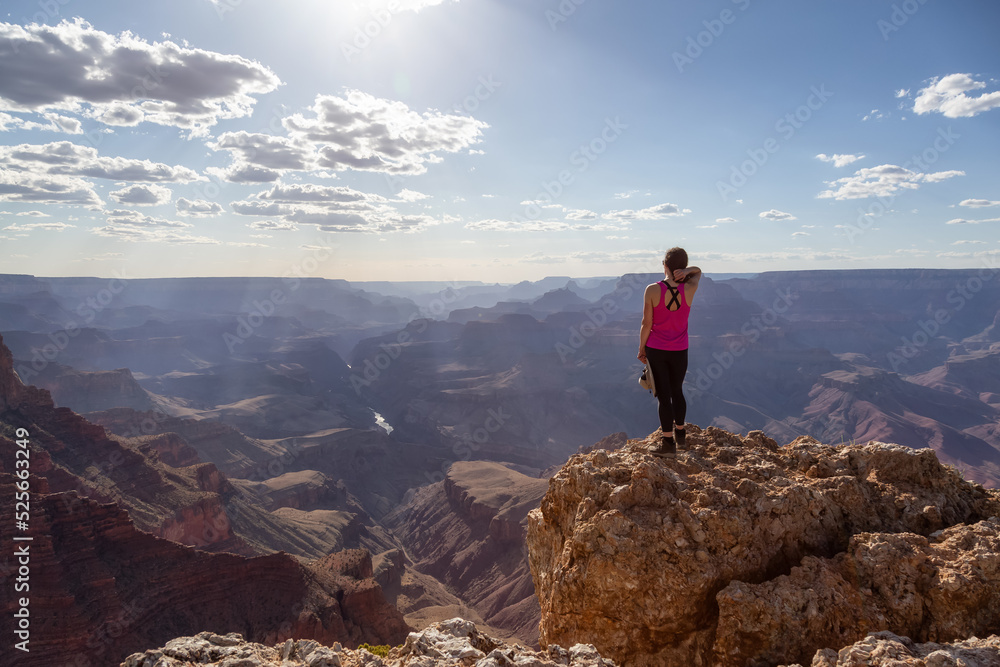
{"points": [[101, 589], [935, 588], [650, 560], [444, 644], [885, 649], [468, 531]]}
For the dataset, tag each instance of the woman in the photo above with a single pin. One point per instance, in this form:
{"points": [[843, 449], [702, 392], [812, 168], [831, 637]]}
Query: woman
{"points": [[663, 342]]}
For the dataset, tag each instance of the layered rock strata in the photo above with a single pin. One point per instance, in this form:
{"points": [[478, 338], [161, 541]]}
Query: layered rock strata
{"points": [[468, 531], [698, 560], [100, 588]]}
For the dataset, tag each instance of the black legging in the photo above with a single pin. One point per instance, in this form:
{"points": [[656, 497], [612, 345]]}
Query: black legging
{"points": [[669, 368]]}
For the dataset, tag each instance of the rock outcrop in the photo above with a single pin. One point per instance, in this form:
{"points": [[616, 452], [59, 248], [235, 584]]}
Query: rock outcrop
{"points": [[885, 649], [699, 560], [101, 588], [444, 644]]}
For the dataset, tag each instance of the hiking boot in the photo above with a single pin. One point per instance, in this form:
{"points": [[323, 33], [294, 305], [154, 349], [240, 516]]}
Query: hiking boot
{"points": [[666, 449], [679, 436]]}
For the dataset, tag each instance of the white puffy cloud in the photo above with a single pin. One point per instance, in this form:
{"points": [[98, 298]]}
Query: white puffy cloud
{"points": [[65, 158], [411, 195], [657, 212], [240, 172], [64, 123], [199, 208], [362, 132], [881, 181], [142, 195], [580, 214], [319, 194], [948, 96], [978, 203], [839, 160], [775, 214], [265, 150], [55, 123], [122, 79], [726, 220], [21, 186]]}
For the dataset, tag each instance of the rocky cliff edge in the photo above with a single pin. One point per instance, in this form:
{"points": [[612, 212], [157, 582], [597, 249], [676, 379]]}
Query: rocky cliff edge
{"points": [[740, 552]]}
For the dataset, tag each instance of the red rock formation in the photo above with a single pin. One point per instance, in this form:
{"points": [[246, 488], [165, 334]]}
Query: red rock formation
{"points": [[101, 589]]}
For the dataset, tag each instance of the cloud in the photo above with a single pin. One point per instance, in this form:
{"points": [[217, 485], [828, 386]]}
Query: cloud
{"points": [[947, 96], [963, 221], [55, 123], [881, 181], [775, 214], [319, 194], [120, 79], [362, 132], [384, 221], [64, 123], [638, 258], [580, 214], [132, 226], [800, 234], [652, 213], [626, 195], [493, 225], [968, 242], [874, 114], [65, 158], [726, 220], [18, 186], [142, 195], [46, 226], [978, 203], [199, 208], [33, 214], [273, 226], [411, 195], [265, 150], [902, 92], [240, 172], [135, 219], [840, 160], [330, 209]]}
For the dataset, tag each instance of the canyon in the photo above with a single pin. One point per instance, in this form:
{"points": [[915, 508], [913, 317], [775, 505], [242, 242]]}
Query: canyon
{"points": [[419, 423]]}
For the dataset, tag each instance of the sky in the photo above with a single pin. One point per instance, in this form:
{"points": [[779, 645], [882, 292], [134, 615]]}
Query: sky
{"points": [[496, 140]]}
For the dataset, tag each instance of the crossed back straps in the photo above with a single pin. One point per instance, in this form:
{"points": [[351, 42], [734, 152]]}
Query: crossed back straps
{"points": [[674, 293]]}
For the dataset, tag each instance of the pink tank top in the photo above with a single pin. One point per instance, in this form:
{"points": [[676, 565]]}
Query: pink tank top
{"points": [[670, 327]]}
